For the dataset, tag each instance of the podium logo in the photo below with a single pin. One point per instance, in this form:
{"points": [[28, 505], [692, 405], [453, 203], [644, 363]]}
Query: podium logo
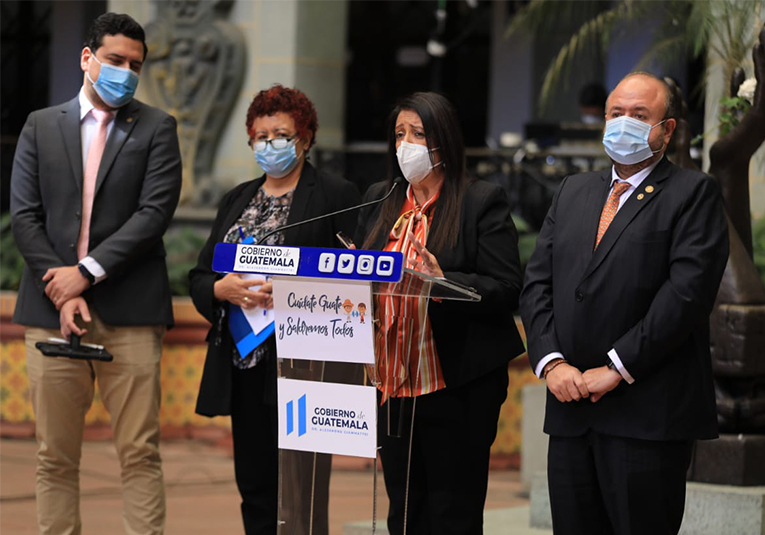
{"points": [[301, 418]]}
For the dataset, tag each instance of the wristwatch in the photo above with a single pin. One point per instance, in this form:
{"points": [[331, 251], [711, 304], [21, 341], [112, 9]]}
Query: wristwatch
{"points": [[87, 274], [611, 365]]}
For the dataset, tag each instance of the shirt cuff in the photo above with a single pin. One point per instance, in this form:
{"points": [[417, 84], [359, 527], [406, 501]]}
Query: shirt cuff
{"points": [[620, 367], [94, 267], [547, 358]]}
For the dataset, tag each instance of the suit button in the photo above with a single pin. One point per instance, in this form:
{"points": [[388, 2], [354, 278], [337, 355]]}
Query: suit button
{"points": [[77, 215], [579, 296], [71, 246]]}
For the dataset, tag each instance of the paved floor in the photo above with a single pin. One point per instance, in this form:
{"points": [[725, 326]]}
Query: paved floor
{"points": [[201, 494]]}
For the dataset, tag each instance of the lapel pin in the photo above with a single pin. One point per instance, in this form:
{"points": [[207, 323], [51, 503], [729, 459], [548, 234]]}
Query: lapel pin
{"points": [[649, 189], [640, 196], [130, 120]]}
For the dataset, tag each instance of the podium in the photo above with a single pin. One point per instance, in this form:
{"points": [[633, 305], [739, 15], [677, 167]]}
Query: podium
{"points": [[336, 312]]}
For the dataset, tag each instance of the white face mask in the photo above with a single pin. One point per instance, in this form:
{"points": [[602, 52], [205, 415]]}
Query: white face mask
{"points": [[414, 161]]}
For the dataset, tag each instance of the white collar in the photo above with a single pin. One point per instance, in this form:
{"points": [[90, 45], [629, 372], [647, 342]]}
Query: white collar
{"points": [[636, 179], [86, 105]]}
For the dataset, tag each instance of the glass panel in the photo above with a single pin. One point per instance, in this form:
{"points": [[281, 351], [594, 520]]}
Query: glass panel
{"points": [[400, 340], [441, 288], [304, 491], [304, 477]]}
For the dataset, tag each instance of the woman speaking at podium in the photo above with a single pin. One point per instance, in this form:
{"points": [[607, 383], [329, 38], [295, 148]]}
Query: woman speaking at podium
{"points": [[281, 125], [441, 370]]}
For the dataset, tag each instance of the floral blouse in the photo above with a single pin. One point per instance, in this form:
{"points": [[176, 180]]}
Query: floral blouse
{"points": [[264, 213]]}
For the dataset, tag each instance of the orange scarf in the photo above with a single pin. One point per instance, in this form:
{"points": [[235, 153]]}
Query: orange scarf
{"points": [[407, 361]]}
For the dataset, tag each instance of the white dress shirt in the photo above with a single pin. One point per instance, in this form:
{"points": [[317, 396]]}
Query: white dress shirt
{"points": [[634, 181], [87, 131]]}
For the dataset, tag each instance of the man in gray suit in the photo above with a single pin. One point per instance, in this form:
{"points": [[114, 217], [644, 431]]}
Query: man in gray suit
{"points": [[95, 183]]}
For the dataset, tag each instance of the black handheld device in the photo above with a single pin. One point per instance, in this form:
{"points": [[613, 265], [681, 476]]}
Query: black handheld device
{"points": [[73, 349]]}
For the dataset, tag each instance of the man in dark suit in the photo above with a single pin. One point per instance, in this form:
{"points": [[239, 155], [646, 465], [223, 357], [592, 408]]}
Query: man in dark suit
{"points": [[95, 183], [616, 308]]}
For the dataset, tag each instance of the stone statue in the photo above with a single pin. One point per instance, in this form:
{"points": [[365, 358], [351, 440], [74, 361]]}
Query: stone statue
{"points": [[195, 71], [737, 322]]}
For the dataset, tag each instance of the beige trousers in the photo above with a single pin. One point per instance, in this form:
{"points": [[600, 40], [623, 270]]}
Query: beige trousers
{"points": [[61, 392]]}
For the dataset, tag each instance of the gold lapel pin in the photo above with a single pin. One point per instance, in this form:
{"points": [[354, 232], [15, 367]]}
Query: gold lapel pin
{"points": [[649, 189], [130, 120], [640, 196]]}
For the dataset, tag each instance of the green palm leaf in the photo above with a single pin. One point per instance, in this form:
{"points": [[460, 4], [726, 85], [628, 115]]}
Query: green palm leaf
{"points": [[722, 29]]}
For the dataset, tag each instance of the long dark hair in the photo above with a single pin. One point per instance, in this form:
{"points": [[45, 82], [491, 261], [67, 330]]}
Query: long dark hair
{"points": [[442, 131]]}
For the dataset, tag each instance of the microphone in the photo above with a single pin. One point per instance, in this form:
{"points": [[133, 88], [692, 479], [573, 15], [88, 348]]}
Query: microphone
{"points": [[396, 181]]}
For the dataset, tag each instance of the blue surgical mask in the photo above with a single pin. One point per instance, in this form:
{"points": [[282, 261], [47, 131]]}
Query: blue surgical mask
{"points": [[115, 85], [277, 163], [626, 140]]}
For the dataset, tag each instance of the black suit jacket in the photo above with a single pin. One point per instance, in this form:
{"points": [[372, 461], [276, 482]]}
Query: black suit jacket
{"points": [[137, 191], [646, 291], [316, 194], [472, 339]]}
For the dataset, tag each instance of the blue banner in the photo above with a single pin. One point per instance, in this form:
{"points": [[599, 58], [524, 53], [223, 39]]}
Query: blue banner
{"points": [[315, 262]]}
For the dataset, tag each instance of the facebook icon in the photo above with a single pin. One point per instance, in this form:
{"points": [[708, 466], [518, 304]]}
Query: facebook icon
{"points": [[301, 416], [326, 262]]}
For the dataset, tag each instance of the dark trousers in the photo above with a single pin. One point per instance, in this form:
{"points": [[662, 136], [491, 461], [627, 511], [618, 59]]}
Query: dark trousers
{"points": [[305, 475], [453, 432], [604, 485], [256, 456]]}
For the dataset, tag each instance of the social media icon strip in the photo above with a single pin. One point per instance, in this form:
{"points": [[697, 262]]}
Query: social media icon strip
{"points": [[345, 263], [365, 265], [384, 266], [327, 262]]}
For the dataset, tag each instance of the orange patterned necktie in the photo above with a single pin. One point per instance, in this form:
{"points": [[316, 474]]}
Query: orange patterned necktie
{"points": [[609, 210]]}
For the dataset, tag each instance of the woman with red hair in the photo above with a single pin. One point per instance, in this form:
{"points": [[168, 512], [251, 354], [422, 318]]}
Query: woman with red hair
{"points": [[281, 125]]}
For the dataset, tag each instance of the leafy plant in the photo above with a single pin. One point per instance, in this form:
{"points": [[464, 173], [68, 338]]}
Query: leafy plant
{"points": [[758, 241], [733, 108], [11, 261], [721, 29], [527, 239], [182, 245]]}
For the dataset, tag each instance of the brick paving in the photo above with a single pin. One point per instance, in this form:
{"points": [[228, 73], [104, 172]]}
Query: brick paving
{"points": [[201, 493]]}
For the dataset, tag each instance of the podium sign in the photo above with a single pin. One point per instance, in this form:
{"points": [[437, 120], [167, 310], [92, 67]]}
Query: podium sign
{"points": [[327, 417], [321, 320], [313, 262], [325, 341]]}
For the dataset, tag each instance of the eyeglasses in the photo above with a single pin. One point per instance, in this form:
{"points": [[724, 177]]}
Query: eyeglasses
{"points": [[278, 143]]}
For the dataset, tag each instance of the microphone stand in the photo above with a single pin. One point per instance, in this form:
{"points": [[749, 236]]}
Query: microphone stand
{"points": [[396, 182]]}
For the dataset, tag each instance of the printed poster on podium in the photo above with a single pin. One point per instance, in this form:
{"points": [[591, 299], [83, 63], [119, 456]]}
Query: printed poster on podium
{"points": [[328, 333]]}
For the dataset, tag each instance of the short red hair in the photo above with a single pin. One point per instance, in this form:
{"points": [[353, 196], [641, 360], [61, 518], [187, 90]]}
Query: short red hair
{"points": [[290, 101]]}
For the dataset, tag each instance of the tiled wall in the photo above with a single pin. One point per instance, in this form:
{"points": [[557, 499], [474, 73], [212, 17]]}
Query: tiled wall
{"points": [[182, 363]]}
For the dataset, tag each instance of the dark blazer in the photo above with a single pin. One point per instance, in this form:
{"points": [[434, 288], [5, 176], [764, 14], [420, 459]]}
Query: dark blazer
{"points": [[471, 339], [316, 194], [647, 292], [137, 191]]}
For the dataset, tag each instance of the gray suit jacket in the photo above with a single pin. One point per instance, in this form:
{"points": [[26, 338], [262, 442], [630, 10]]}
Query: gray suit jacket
{"points": [[137, 191]]}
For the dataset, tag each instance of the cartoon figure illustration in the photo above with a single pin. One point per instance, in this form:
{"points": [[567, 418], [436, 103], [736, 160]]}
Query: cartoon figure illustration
{"points": [[348, 307], [362, 311]]}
